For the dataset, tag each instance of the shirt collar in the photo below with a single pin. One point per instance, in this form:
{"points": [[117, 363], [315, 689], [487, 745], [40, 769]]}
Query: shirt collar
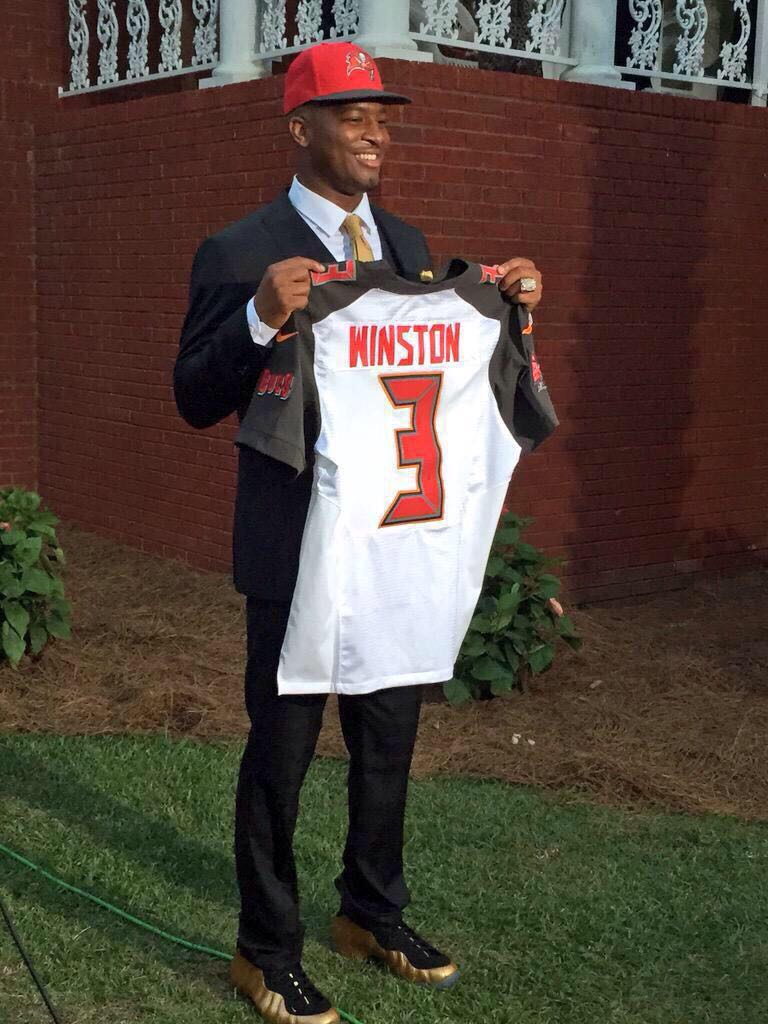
{"points": [[324, 214]]}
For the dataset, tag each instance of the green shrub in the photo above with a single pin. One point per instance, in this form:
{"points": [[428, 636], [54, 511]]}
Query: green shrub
{"points": [[515, 629], [32, 605]]}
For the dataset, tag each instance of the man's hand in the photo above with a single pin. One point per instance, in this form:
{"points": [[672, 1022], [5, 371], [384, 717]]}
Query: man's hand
{"points": [[514, 271], [284, 289]]}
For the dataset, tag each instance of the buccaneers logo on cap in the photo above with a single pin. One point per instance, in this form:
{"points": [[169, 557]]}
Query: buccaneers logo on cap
{"points": [[358, 60]]}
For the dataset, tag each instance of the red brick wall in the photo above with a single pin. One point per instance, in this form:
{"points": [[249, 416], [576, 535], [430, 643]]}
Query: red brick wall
{"points": [[646, 214], [28, 71]]}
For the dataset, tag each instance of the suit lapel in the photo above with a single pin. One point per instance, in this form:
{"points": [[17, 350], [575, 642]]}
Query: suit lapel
{"points": [[389, 248], [293, 236]]}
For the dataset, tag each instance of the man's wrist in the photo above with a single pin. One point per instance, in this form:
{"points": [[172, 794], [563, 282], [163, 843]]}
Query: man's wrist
{"points": [[261, 332]]}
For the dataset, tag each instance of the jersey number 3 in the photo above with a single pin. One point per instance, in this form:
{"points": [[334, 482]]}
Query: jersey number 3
{"points": [[417, 446]]}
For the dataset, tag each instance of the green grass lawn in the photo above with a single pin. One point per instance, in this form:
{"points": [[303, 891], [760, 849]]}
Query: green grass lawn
{"points": [[559, 913]]}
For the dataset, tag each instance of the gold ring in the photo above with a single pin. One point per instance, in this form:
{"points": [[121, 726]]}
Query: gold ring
{"points": [[528, 284]]}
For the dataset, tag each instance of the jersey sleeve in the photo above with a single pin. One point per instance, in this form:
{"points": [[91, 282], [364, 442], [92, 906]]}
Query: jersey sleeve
{"points": [[282, 420], [517, 382]]}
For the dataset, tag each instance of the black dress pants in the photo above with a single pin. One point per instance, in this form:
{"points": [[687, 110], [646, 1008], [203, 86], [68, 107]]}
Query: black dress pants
{"points": [[379, 731]]}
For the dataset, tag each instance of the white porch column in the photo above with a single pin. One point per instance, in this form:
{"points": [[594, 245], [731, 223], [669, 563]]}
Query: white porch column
{"points": [[593, 37], [760, 72], [383, 30], [237, 43]]}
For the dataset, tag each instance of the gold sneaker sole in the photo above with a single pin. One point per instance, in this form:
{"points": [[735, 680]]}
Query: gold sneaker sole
{"points": [[249, 982], [355, 943]]}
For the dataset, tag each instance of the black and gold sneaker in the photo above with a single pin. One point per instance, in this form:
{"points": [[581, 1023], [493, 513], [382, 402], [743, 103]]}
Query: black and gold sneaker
{"points": [[399, 947], [282, 995]]}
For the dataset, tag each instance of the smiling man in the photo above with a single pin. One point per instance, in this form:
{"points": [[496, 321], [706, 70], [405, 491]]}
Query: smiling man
{"points": [[247, 282]]}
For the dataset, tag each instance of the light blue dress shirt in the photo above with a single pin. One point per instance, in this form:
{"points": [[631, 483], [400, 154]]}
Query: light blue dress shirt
{"points": [[325, 218]]}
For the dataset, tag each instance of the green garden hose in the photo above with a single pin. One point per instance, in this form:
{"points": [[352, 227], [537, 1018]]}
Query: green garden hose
{"points": [[129, 917]]}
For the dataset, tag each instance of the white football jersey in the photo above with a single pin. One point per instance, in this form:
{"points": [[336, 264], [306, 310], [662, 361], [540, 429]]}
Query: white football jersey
{"points": [[422, 397]]}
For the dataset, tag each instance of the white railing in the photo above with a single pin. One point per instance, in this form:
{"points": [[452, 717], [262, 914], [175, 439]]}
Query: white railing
{"points": [[275, 41], [531, 29], [491, 26], [696, 46], [680, 41], [186, 34]]}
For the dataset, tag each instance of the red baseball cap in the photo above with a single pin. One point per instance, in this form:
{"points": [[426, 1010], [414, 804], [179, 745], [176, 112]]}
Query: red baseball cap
{"points": [[334, 73]]}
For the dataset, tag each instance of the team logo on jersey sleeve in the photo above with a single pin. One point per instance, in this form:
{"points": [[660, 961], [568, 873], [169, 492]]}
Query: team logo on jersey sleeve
{"points": [[536, 374], [278, 384], [335, 272]]}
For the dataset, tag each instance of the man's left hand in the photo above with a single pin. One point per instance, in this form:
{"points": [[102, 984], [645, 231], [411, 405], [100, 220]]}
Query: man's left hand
{"points": [[514, 271]]}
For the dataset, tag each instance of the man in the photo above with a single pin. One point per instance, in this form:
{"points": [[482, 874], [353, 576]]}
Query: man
{"points": [[247, 281]]}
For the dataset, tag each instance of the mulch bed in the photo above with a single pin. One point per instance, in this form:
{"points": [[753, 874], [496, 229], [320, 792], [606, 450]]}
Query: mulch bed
{"points": [[665, 706]]}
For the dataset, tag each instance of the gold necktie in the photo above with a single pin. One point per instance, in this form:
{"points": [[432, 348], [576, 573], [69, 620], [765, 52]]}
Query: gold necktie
{"points": [[361, 251]]}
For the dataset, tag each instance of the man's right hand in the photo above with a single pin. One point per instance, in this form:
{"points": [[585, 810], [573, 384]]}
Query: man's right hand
{"points": [[284, 289]]}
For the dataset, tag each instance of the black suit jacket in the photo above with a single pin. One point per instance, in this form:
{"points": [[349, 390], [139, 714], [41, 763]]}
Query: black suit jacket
{"points": [[218, 365]]}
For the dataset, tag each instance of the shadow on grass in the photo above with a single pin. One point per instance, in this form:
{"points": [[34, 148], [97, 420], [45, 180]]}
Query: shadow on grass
{"points": [[151, 843]]}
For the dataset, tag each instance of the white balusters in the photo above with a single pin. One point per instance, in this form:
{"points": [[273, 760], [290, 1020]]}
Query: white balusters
{"points": [[648, 40], [692, 17], [273, 25], [442, 18], [191, 34], [645, 37], [170, 45], [206, 12], [107, 32], [137, 23], [188, 40], [493, 18], [545, 24], [734, 55], [309, 22], [79, 38], [492, 26], [346, 15]]}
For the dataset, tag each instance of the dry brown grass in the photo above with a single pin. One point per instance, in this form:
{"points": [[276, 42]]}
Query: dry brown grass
{"points": [[665, 706]]}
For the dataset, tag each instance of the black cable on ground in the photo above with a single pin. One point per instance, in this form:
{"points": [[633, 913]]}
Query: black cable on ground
{"points": [[28, 961], [120, 913]]}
